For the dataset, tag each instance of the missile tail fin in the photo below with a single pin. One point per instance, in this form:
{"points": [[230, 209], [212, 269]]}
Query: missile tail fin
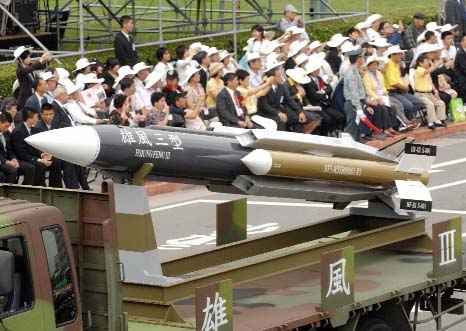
{"points": [[414, 195], [417, 158], [396, 148]]}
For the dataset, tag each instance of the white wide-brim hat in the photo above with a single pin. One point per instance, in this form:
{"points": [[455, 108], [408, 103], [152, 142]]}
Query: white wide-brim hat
{"points": [[71, 88], [296, 47], [375, 58], [301, 59], [189, 73], [153, 78], [315, 44], [394, 50], [380, 42], [271, 46], [140, 66], [299, 75], [336, 40], [373, 18], [272, 63], [91, 78], [312, 66], [83, 63], [20, 50]]}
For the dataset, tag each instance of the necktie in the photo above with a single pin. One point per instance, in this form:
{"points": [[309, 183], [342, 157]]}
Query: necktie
{"points": [[69, 116], [44, 100], [3, 140], [239, 109]]}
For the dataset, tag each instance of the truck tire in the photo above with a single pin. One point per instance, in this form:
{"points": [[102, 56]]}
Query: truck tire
{"points": [[373, 324]]}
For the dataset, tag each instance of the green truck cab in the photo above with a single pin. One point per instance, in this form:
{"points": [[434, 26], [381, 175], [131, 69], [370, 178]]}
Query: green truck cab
{"points": [[38, 280]]}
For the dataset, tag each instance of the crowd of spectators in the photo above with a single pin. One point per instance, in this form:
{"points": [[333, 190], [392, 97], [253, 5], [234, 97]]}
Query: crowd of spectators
{"points": [[372, 82]]}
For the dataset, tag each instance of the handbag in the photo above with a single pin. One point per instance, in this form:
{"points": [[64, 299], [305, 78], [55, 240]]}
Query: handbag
{"points": [[457, 110]]}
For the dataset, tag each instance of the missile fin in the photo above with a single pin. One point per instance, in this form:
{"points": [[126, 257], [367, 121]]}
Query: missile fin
{"points": [[395, 149], [417, 158], [414, 195]]}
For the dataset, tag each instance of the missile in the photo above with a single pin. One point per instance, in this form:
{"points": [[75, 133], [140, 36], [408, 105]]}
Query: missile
{"points": [[282, 164], [255, 162]]}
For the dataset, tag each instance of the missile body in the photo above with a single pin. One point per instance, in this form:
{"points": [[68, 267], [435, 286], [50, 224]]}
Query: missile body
{"points": [[282, 164], [178, 155]]}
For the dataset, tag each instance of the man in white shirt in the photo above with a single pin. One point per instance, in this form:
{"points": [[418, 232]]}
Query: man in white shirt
{"points": [[153, 83], [80, 113], [255, 69]]}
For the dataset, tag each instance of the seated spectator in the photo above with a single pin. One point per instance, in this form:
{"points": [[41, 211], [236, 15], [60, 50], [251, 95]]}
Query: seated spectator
{"points": [[137, 108], [172, 85], [460, 68], [97, 68], [163, 66], [448, 54], [444, 85], [292, 19], [153, 83], [318, 93], [414, 30], [295, 49], [45, 121], [109, 76], [83, 67], [195, 95], [345, 63], [278, 104], [428, 94], [381, 45], [80, 113], [50, 76], [333, 57], [214, 86], [141, 71], [393, 37], [25, 72], [99, 109], [10, 167], [230, 110], [250, 94], [9, 105], [214, 54], [204, 62], [357, 35], [397, 88], [61, 118], [373, 23], [184, 61], [121, 114], [36, 100], [228, 62], [308, 120], [180, 111], [159, 113], [28, 154], [255, 69]]}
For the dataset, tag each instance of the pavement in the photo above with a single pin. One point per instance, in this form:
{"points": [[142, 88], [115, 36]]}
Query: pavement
{"points": [[185, 220]]}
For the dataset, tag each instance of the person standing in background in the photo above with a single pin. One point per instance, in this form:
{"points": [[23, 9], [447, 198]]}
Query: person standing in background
{"points": [[125, 49], [455, 14]]}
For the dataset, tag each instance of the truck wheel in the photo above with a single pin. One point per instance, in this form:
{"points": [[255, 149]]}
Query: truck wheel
{"points": [[373, 324]]}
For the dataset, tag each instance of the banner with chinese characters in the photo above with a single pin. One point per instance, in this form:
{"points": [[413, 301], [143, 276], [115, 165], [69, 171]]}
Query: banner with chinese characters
{"points": [[337, 278], [447, 247], [231, 221], [214, 307]]}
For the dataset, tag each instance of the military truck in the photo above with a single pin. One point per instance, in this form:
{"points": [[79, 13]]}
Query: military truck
{"points": [[74, 260]]}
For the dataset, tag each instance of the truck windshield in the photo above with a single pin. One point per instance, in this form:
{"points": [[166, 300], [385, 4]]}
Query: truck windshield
{"points": [[63, 292]]}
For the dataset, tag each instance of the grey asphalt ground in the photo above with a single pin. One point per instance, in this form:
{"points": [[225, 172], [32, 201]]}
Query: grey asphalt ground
{"points": [[185, 221]]}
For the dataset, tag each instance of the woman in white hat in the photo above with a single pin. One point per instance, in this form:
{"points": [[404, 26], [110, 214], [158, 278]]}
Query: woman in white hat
{"points": [[25, 72], [377, 95], [229, 63], [333, 57], [83, 67], [195, 99]]}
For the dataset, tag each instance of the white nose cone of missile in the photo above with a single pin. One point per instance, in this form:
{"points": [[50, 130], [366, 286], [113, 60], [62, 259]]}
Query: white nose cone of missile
{"points": [[259, 162], [78, 145]]}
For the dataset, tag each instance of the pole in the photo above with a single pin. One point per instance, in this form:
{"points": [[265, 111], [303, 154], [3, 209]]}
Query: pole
{"points": [[29, 33], [303, 8], [160, 22], [235, 37], [367, 7], [81, 29]]}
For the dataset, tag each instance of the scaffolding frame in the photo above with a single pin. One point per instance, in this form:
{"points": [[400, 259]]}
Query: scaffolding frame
{"points": [[93, 23]]}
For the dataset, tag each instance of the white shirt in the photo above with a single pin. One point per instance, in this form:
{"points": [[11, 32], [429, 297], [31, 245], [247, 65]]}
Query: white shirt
{"points": [[146, 96], [345, 64], [372, 34], [255, 80], [449, 53], [39, 98], [163, 68], [239, 111], [77, 113], [182, 67]]}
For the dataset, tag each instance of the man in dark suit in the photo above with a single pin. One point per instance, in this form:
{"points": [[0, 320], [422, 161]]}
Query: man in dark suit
{"points": [[460, 67], [204, 62], [10, 168], [455, 13], [36, 100], [230, 110], [61, 118], [70, 171], [319, 94], [125, 50], [28, 154], [279, 105]]}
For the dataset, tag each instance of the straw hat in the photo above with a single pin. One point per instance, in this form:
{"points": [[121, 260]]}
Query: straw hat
{"points": [[214, 68], [299, 75]]}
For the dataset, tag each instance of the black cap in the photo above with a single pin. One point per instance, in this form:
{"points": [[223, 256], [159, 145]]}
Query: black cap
{"points": [[174, 96], [420, 15], [172, 74]]}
